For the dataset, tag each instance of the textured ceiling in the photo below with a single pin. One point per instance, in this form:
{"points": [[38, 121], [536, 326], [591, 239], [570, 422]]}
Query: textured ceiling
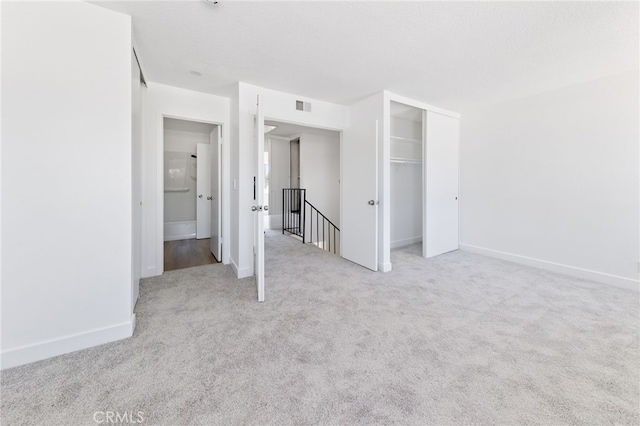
{"points": [[456, 55]]}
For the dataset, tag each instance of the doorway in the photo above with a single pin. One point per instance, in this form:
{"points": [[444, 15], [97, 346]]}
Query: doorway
{"points": [[294, 161], [191, 204], [302, 181]]}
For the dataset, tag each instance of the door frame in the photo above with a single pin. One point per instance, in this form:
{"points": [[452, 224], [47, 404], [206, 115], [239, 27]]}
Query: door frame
{"points": [[223, 163], [314, 126], [384, 245]]}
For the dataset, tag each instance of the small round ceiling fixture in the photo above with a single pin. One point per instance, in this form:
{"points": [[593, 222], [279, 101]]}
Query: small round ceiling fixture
{"points": [[195, 73]]}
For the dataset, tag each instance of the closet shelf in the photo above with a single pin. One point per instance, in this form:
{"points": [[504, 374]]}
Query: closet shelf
{"points": [[176, 190], [401, 139], [405, 160]]}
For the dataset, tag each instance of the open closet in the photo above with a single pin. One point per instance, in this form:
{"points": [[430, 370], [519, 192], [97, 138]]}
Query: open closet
{"points": [[399, 179], [406, 174], [423, 175]]}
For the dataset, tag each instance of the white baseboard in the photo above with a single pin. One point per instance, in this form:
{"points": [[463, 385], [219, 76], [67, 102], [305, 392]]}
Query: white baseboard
{"points": [[181, 237], [240, 272], [406, 242], [179, 230], [75, 342], [149, 272], [273, 221], [384, 266], [614, 280]]}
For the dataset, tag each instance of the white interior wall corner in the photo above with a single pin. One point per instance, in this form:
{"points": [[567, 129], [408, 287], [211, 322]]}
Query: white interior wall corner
{"points": [[54, 309], [552, 180]]}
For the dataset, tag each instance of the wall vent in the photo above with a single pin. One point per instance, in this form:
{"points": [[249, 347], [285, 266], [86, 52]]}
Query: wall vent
{"points": [[303, 106]]}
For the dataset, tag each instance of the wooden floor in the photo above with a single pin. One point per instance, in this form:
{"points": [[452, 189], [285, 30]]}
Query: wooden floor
{"points": [[187, 253]]}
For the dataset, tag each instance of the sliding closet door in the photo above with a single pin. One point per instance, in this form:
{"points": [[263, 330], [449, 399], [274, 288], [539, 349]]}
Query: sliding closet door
{"points": [[441, 189]]}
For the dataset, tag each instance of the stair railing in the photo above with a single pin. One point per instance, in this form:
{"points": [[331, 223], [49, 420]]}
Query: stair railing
{"points": [[323, 233], [293, 217], [304, 220]]}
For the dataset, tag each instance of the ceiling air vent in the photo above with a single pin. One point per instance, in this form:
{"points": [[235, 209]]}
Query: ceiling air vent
{"points": [[303, 106]]}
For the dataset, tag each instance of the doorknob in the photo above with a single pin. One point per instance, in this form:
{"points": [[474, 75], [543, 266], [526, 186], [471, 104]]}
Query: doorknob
{"points": [[199, 195], [254, 208], [372, 203], [258, 208], [209, 197], [266, 208]]}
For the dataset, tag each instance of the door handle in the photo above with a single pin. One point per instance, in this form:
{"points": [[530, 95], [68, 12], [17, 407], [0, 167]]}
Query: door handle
{"points": [[266, 208], [258, 208], [372, 203], [199, 195], [209, 197]]}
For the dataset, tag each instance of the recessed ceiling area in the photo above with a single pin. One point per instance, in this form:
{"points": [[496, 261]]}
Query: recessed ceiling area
{"points": [[455, 55], [291, 131], [187, 126]]}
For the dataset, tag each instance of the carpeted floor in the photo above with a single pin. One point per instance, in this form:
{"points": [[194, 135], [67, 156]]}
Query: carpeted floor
{"points": [[456, 339]]}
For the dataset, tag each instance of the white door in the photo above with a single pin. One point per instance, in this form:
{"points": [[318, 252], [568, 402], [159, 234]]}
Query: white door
{"points": [[136, 159], [215, 143], [359, 223], [441, 189], [258, 206], [203, 191]]}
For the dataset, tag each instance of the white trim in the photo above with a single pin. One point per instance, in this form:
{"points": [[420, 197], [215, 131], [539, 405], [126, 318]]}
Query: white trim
{"points": [[240, 272], [63, 345], [180, 230], [384, 267], [613, 280], [274, 221], [224, 162], [150, 272], [191, 236], [406, 241], [420, 105], [282, 138]]}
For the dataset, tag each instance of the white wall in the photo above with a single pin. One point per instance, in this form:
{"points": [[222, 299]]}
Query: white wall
{"points": [[179, 186], [278, 106], [406, 204], [66, 178], [184, 141], [279, 153], [406, 182], [552, 180], [179, 145], [320, 172], [167, 101]]}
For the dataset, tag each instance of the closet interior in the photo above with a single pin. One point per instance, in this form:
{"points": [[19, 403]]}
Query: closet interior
{"points": [[406, 174]]}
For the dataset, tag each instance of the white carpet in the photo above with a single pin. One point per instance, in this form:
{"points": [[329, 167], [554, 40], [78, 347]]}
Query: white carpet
{"points": [[456, 339]]}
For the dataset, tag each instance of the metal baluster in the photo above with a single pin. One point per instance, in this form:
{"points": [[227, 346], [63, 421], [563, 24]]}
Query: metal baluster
{"points": [[323, 242]]}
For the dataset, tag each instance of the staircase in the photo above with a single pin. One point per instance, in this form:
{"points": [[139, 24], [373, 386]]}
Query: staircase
{"points": [[303, 220]]}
